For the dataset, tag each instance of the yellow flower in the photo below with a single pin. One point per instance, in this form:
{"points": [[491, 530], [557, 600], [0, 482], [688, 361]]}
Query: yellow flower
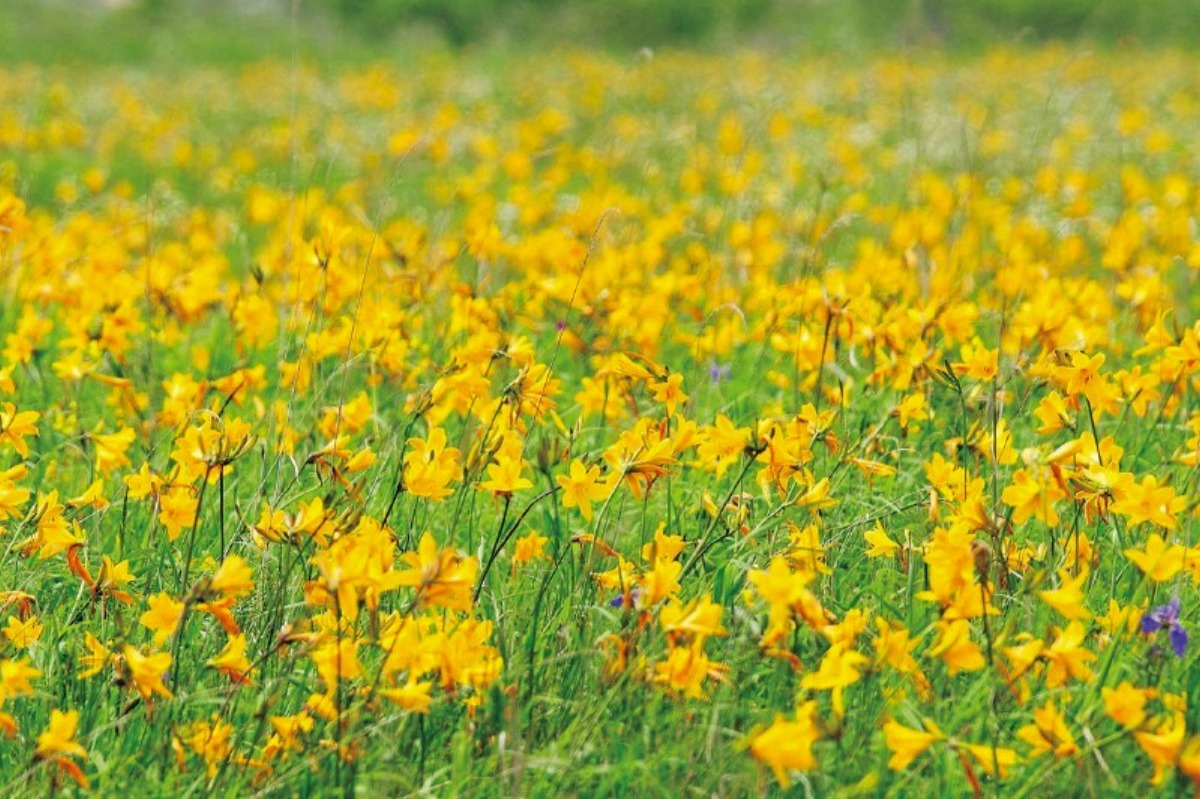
{"points": [[882, 546], [1068, 598], [95, 659], [442, 578], [1163, 745], [93, 496], [110, 449], [59, 737], [413, 696], [177, 510], [1158, 561], [660, 581], [978, 362], [528, 547], [955, 647], [912, 407], [232, 662], [670, 392], [1067, 658], [995, 761], [1189, 759], [233, 578], [1032, 497], [582, 487], [147, 672], [430, 466], [907, 744], [686, 668], [701, 617], [16, 426], [504, 476], [142, 483], [162, 617], [22, 634], [1126, 704], [1148, 502], [15, 676], [839, 669], [58, 745], [289, 729], [787, 745], [12, 496], [1049, 733], [211, 741], [336, 658]]}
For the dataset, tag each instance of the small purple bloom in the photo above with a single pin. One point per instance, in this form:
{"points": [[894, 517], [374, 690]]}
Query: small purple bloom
{"points": [[718, 372], [1168, 616], [619, 600], [560, 325]]}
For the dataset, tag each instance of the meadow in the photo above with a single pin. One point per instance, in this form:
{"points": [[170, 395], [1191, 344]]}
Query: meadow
{"points": [[579, 424]]}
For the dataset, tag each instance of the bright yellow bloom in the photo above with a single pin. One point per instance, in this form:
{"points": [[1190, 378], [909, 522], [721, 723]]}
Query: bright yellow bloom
{"points": [[147, 672], [177, 510], [1148, 501], [336, 658], [57, 744], [907, 744], [1163, 745], [839, 668], [162, 617], [1048, 733], [582, 487], [234, 577], [1069, 597], [442, 578], [413, 696], [686, 669], [16, 426], [787, 745], [995, 761], [978, 362], [911, 408], [95, 659], [1033, 496], [670, 392], [93, 497], [955, 647], [882, 546], [1159, 561], [14, 678], [528, 547], [1067, 657], [701, 617], [23, 634], [232, 662], [430, 466], [110, 449], [212, 742], [504, 476], [1126, 704]]}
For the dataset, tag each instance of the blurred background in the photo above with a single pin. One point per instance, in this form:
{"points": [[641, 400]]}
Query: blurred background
{"points": [[236, 30]]}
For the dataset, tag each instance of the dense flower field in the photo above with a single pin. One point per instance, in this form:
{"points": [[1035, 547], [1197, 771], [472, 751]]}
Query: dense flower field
{"points": [[573, 425]]}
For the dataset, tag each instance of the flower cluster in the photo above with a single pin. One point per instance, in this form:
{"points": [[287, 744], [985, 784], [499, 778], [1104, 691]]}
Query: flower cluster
{"points": [[575, 425]]}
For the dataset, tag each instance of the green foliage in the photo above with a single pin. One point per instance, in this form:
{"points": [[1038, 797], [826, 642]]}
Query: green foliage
{"points": [[215, 31]]}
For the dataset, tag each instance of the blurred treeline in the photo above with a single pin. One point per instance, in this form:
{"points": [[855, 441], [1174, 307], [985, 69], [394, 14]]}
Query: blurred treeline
{"points": [[236, 29]]}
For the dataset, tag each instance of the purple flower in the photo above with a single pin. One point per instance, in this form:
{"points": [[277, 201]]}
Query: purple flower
{"points": [[717, 372], [619, 600], [1167, 616]]}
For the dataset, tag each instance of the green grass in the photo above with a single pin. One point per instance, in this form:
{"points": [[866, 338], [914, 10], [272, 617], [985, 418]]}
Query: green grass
{"points": [[554, 724]]}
